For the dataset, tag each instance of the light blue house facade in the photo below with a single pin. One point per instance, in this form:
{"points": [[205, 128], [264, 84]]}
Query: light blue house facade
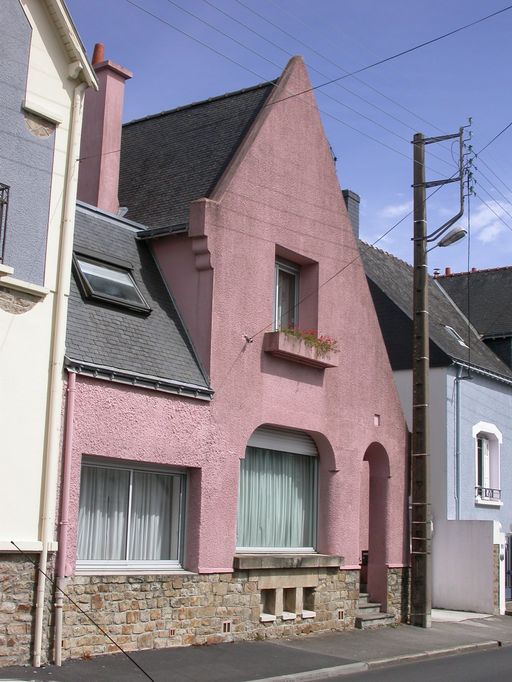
{"points": [[470, 438]]}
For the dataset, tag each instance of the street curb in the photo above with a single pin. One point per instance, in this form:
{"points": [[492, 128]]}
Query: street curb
{"points": [[348, 668], [318, 674], [461, 648]]}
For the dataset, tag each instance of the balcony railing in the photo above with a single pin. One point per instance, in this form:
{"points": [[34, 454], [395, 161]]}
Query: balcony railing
{"points": [[488, 493], [4, 202]]}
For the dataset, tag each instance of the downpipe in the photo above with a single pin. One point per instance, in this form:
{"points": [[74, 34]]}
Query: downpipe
{"points": [[64, 517], [51, 451]]}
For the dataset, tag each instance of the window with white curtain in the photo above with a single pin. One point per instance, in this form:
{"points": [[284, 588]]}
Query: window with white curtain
{"points": [[129, 518], [277, 501]]}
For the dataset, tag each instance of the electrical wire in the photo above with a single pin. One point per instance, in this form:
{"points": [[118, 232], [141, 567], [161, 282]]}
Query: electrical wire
{"points": [[283, 99], [496, 136], [493, 211], [495, 175], [498, 190], [330, 61], [53, 583]]}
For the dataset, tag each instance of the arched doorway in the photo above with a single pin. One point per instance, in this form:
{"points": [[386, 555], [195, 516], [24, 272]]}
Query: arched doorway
{"points": [[374, 522]]}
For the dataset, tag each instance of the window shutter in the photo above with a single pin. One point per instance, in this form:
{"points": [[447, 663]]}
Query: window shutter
{"points": [[283, 440]]}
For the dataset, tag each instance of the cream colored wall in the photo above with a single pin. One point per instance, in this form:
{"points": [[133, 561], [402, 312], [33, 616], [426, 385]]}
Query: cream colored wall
{"points": [[25, 337]]}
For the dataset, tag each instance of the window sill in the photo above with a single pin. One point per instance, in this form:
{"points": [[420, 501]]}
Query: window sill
{"points": [[125, 568], [479, 502], [277, 561], [289, 348], [24, 287], [5, 270]]}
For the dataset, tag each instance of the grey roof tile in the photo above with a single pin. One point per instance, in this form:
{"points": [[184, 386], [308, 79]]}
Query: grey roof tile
{"points": [[101, 334], [490, 298], [391, 285], [173, 158]]}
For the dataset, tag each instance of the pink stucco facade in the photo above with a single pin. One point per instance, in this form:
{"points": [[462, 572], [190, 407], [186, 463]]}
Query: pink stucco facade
{"points": [[279, 196]]}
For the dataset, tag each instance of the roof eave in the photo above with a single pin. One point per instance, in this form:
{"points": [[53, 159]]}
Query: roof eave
{"points": [[137, 380], [71, 40]]}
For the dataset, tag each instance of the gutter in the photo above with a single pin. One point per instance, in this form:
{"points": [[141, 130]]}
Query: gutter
{"points": [[483, 372], [58, 336], [121, 376], [153, 232]]}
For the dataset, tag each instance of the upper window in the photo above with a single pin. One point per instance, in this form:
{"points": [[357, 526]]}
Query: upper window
{"points": [[286, 305], [109, 283], [129, 518], [487, 463], [277, 498]]}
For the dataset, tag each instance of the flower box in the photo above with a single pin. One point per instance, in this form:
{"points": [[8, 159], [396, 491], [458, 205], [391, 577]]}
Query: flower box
{"points": [[281, 345]]}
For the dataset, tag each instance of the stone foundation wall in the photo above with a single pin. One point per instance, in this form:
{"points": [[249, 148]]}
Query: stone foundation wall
{"points": [[155, 611], [399, 593], [17, 610]]}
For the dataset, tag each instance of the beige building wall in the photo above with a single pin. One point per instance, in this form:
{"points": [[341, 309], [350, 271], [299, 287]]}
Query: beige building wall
{"points": [[30, 325]]}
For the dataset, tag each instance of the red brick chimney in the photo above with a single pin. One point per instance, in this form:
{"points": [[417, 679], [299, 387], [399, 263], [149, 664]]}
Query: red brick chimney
{"points": [[100, 154]]}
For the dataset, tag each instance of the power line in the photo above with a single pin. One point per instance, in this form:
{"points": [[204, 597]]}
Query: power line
{"points": [[495, 174], [267, 104], [330, 61], [493, 211], [498, 190], [408, 51], [499, 134], [53, 583]]}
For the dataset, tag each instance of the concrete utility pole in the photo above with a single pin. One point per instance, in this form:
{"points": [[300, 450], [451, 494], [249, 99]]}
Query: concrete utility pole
{"points": [[421, 517]]}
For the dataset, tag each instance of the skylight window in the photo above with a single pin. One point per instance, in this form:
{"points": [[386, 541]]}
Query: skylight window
{"points": [[109, 283], [454, 334]]}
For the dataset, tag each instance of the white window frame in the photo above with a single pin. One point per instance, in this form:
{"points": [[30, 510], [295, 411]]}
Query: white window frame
{"points": [[291, 269], [489, 433], [126, 566]]}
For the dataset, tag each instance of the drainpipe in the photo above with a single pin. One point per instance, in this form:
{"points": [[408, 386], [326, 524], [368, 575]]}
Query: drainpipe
{"points": [[51, 448], [64, 516], [458, 379]]}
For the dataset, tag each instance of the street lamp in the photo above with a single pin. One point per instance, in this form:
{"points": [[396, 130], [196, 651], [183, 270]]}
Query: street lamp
{"points": [[421, 518]]}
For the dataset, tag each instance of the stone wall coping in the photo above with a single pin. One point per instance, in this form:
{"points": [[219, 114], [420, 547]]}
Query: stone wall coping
{"points": [[276, 561]]}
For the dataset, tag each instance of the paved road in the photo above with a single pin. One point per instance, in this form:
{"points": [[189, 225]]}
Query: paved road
{"points": [[494, 665]]}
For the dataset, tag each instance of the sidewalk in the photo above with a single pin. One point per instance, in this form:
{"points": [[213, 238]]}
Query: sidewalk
{"points": [[305, 658]]}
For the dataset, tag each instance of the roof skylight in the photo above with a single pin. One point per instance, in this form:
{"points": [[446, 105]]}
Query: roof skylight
{"points": [[109, 283]]}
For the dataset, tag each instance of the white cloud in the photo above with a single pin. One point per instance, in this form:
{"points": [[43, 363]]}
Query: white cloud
{"points": [[396, 210], [486, 223]]}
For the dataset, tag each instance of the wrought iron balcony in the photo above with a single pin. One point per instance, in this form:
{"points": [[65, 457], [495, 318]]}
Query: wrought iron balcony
{"points": [[4, 202], [488, 493]]}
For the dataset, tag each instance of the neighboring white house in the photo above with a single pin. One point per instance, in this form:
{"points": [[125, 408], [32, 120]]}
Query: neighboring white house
{"points": [[470, 437], [44, 75]]}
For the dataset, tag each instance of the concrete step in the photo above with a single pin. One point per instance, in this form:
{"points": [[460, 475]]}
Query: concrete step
{"points": [[368, 607], [367, 621], [363, 597]]}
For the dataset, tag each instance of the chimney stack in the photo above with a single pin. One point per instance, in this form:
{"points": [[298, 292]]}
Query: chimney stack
{"points": [[447, 271], [100, 155], [352, 201]]}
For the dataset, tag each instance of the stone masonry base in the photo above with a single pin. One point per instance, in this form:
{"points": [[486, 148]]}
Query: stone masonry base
{"points": [[17, 609], [156, 611]]}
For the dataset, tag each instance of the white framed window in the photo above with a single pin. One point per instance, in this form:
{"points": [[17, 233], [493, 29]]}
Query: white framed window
{"points": [[286, 295], [130, 518], [488, 439], [277, 500], [110, 283]]}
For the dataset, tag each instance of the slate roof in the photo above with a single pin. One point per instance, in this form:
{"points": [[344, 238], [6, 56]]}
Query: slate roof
{"points": [[490, 298], [173, 158], [106, 335], [391, 285]]}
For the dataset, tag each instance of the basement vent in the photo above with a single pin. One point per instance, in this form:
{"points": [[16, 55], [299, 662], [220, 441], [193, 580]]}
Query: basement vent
{"points": [[226, 626]]}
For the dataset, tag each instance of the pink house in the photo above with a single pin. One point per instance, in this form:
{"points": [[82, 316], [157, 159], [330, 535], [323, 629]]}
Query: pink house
{"points": [[222, 478]]}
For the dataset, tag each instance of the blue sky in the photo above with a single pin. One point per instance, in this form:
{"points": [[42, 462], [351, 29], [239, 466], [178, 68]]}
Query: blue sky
{"points": [[433, 90]]}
